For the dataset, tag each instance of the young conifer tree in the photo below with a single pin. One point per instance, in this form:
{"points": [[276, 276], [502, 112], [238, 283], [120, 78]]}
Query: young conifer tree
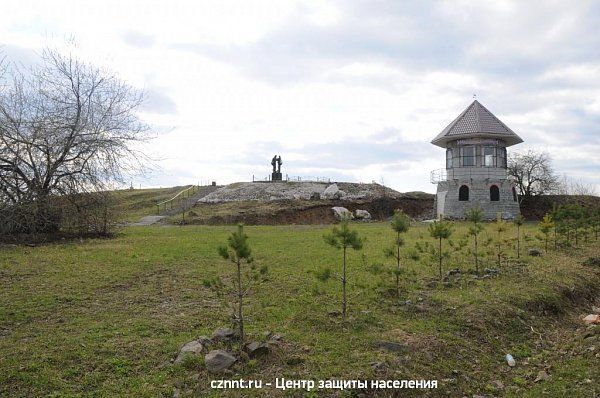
{"points": [[343, 237], [500, 227], [400, 224], [237, 251], [519, 220], [546, 226], [475, 216], [440, 230]]}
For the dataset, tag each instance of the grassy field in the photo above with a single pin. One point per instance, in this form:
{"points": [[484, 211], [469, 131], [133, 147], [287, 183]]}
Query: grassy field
{"points": [[131, 205], [106, 317]]}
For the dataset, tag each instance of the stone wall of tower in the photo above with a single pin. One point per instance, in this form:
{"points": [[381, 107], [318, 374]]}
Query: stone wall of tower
{"points": [[479, 194]]}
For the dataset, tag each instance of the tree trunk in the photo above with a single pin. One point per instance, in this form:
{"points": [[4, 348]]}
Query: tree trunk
{"points": [[398, 265], [476, 257], [518, 241], [440, 266], [344, 302], [240, 302]]}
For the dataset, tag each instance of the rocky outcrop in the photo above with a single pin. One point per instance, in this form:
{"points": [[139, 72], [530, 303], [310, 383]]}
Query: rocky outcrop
{"points": [[342, 213]]}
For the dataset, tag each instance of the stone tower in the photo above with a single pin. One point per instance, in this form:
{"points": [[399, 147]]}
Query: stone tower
{"points": [[475, 172]]}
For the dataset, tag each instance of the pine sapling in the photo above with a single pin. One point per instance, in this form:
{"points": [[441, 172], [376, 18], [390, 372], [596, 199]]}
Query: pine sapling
{"points": [[475, 216], [499, 226], [344, 238], [519, 223], [237, 251], [400, 224], [440, 230], [546, 226]]}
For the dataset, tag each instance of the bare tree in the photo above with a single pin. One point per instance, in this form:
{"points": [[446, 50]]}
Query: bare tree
{"points": [[66, 127], [570, 186], [532, 172]]}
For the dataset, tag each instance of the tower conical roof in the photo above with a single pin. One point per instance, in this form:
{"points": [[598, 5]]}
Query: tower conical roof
{"points": [[476, 121]]}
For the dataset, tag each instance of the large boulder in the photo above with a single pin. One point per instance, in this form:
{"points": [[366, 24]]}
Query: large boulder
{"points": [[191, 348], [362, 215], [333, 192], [218, 360], [342, 213]]}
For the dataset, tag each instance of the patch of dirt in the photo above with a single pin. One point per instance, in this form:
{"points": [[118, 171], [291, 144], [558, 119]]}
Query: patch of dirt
{"points": [[308, 212]]}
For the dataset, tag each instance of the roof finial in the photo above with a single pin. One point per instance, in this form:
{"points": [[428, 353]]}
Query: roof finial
{"points": [[474, 96]]}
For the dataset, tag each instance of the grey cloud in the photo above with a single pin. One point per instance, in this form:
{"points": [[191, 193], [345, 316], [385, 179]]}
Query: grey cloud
{"points": [[385, 147], [137, 39], [157, 101]]}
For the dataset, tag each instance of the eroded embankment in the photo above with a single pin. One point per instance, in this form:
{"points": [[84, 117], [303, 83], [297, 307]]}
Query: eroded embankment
{"points": [[303, 212]]}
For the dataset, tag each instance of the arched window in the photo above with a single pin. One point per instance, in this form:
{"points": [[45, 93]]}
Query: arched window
{"points": [[463, 193], [494, 193], [515, 198]]}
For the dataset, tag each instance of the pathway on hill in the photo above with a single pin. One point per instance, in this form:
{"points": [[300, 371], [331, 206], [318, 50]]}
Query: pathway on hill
{"points": [[179, 207]]}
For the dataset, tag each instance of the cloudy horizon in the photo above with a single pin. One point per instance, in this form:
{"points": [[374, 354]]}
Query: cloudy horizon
{"points": [[352, 91]]}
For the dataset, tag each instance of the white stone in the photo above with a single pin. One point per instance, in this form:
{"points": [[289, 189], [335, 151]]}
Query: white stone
{"points": [[330, 192], [362, 214], [189, 349], [342, 213]]}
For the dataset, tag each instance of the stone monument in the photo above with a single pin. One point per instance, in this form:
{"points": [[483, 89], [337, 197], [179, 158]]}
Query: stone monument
{"points": [[475, 173], [276, 163]]}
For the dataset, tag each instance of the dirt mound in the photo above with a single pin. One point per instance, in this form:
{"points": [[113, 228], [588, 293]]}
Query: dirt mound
{"points": [[418, 206], [275, 191]]}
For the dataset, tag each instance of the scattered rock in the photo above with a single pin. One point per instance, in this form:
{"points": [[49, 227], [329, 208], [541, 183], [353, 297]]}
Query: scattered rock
{"points": [[378, 366], [205, 341], [330, 192], [534, 252], [191, 348], [256, 349], [391, 346], [334, 313], [510, 360], [596, 310], [342, 213], [592, 319], [275, 339], [218, 360], [498, 384], [453, 271], [541, 376], [295, 360], [315, 196], [223, 334], [362, 215]]}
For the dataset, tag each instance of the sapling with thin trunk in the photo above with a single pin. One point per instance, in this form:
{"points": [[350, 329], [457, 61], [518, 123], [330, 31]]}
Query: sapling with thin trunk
{"points": [[499, 226], [475, 216], [344, 238], [546, 225], [440, 230], [238, 251], [400, 224], [519, 223]]}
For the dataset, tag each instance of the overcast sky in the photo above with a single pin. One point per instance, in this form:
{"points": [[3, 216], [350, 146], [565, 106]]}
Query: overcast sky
{"points": [[351, 90]]}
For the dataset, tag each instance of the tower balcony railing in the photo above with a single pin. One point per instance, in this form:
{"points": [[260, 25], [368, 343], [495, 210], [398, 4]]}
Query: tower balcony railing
{"points": [[467, 173], [438, 175]]}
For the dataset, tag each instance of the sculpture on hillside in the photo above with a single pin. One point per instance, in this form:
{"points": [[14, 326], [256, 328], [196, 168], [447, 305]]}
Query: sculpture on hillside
{"points": [[276, 163]]}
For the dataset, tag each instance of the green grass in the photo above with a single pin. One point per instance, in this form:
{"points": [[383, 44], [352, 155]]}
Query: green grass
{"points": [[131, 205], [106, 317]]}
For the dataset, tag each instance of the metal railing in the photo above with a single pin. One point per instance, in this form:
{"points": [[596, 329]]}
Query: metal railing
{"points": [[182, 196], [293, 179], [460, 173]]}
